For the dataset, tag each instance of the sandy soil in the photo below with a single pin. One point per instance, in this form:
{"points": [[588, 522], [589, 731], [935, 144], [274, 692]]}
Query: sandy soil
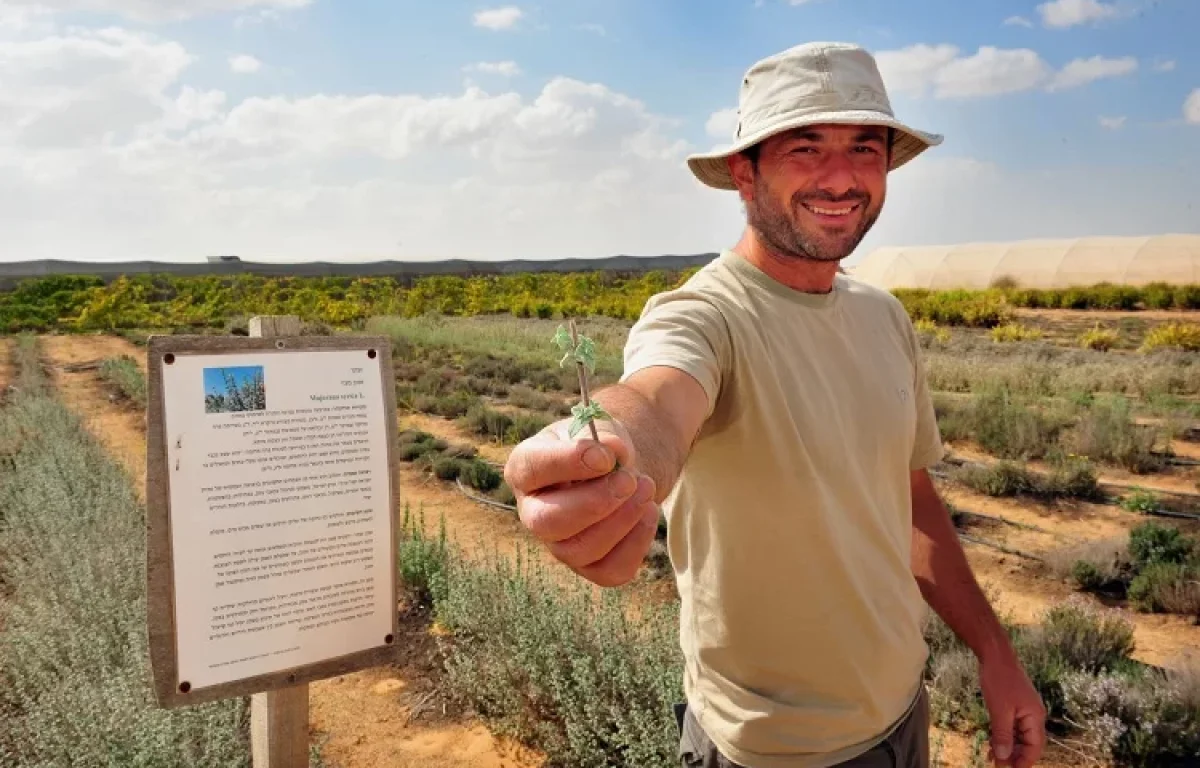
{"points": [[7, 374]]}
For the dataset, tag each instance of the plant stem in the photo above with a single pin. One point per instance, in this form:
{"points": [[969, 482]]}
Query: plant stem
{"points": [[583, 378]]}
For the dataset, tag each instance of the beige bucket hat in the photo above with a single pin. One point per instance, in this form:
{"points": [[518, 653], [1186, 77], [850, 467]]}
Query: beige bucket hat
{"points": [[806, 85]]}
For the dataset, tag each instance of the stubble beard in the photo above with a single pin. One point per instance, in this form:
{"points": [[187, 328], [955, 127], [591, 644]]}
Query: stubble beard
{"points": [[779, 230]]}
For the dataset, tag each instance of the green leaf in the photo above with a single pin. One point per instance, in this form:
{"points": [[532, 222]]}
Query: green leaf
{"points": [[576, 425], [586, 353]]}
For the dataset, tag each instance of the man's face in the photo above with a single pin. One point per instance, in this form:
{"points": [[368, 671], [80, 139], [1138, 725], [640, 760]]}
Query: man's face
{"points": [[817, 191]]}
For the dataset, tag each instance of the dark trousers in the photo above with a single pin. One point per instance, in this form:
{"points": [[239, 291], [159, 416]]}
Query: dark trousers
{"points": [[907, 747]]}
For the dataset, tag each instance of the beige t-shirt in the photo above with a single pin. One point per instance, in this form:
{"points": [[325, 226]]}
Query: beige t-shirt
{"points": [[790, 526]]}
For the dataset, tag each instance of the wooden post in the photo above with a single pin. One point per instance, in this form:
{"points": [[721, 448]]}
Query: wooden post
{"points": [[279, 718]]}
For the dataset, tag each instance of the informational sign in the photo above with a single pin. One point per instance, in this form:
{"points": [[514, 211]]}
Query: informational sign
{"points": [[271, 489]]}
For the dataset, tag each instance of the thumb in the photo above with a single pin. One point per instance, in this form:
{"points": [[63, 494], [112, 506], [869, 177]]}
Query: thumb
{"points": [[1002, 738]]}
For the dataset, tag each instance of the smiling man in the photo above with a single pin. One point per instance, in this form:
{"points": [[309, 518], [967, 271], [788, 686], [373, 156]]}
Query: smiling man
{"points": [[778, 410]]}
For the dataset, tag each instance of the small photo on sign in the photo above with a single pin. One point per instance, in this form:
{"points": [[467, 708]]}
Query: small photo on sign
{"points": [[227, 390]]}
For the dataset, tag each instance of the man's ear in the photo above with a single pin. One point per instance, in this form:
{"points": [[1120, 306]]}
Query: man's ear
{"points": [[741, 168]]}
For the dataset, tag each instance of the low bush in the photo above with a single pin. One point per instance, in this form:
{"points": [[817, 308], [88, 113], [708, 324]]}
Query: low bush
{"points": [[1167, 588], [423, 559], [1003, 424], [1101, 339], [975, 309], [1152, 542], [1185, 336], [1103, 565], [481, 476], [487, 422], [1004, 478], [524, 426], [75, 685], [124, 374], [1143, 719], [1107, 432], [574, 675], [1014, 332], [1140, 501]]}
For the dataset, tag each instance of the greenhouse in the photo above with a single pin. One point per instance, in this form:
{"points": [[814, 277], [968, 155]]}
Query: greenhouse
{"points": [[1171, 259]]}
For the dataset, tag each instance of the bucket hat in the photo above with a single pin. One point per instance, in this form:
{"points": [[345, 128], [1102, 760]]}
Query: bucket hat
{"points": [[806, 85]]}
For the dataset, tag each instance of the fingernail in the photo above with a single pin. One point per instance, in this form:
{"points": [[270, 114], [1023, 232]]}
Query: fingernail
{"points": [[1003, 752], [645, 490], [622, 484], [597, 458]]}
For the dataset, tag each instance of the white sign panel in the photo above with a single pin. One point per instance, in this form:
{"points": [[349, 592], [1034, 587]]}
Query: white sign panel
{"points": [[280, 518]]}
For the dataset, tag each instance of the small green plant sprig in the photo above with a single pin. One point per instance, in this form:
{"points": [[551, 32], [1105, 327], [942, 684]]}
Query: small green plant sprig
{"points": [[582, 350]]}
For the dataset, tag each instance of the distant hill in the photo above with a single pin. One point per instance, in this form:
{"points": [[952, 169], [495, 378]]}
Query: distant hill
{"points": [[12, 272]]}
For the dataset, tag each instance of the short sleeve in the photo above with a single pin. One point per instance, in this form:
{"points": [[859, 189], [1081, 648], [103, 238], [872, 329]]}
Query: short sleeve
{"points": [[927, 444], [681, 329]]}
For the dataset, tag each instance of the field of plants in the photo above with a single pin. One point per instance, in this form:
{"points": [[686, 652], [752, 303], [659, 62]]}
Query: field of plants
{"points": [[1072, 418]]}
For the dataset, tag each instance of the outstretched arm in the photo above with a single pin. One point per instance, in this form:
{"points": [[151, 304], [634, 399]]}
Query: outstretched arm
{"points": [[949, 587]]}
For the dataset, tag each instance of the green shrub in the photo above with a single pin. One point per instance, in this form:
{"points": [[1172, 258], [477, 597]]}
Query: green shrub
{"points": [[1107, 432], [1014, 332], [525, 425], [1095, 565], [953, 683], [481, 476], [1157, 296], [1147, 720], [446, 468], [1184, 336], [487, 422], [413, 451], [422, 560], [75, 685], [1072, 478], [1151, 543], [505, 495], [1006, 427], [1166, 587], [123, 373], [1004, 478], [574, 675], [1140, 501], [1102, 339]]}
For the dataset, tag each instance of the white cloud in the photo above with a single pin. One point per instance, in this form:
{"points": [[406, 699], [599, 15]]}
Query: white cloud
{"points": [[1113, 123], [1017, 21], [502, 68], [499, 18], [991, 71], [1167, 65], [1191, 108], [940, 69], [108, 152], [244, 64], [1083, 71], [1061, 14], [914, 69], [157, 10], [722, 124]]}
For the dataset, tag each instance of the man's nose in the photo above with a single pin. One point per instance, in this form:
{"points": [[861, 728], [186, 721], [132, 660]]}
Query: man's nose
{"points": [[836, 175]]}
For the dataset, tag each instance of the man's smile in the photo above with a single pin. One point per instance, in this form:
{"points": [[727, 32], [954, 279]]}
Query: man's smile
{"points": [[832, 212]]}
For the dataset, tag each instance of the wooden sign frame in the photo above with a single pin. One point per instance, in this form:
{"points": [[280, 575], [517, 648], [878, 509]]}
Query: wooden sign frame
{"points": [[160, 571]]}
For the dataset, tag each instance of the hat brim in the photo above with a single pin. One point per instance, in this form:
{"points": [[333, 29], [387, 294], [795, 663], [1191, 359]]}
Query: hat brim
{"points": [[711, 169]]}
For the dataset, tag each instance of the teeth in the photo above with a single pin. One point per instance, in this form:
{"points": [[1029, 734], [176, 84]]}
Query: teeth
{"points": [[832, 211]]}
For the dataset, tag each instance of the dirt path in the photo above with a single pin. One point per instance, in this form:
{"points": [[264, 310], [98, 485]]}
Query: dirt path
{"points": [[7, 374], [119, 427], [378, 718]]}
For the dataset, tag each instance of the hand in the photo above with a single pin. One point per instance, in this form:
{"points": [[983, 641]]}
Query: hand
{"points": [[1017, 713], [597, 521]]}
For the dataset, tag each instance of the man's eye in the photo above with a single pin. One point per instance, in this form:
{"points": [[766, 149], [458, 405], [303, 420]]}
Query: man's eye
{"points": [[865, 148]]}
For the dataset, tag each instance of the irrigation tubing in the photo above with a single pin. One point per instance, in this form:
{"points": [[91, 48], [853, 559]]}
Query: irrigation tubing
{"points": [[480, 499]]}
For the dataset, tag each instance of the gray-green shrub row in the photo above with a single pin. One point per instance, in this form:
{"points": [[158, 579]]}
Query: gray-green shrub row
{"points": [[74, 677], [123, 373], [592, 682], [1009, 425]]}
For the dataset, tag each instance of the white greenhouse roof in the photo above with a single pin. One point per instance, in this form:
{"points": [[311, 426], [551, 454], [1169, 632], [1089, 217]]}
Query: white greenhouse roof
{"points": [[1173, 259]]}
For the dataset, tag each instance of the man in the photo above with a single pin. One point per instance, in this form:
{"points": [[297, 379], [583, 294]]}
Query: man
{"points": [[778, 410]]}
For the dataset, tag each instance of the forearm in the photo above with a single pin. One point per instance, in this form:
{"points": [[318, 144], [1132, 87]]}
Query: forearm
{"points": [[660, 447], [946, 581]]}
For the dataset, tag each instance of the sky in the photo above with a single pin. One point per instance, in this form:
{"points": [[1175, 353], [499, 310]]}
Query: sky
{"points": [[357, 130]]}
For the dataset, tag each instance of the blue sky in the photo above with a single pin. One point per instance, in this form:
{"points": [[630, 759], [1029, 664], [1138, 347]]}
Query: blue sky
{"points": [[362, 129], [214, 378]]}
